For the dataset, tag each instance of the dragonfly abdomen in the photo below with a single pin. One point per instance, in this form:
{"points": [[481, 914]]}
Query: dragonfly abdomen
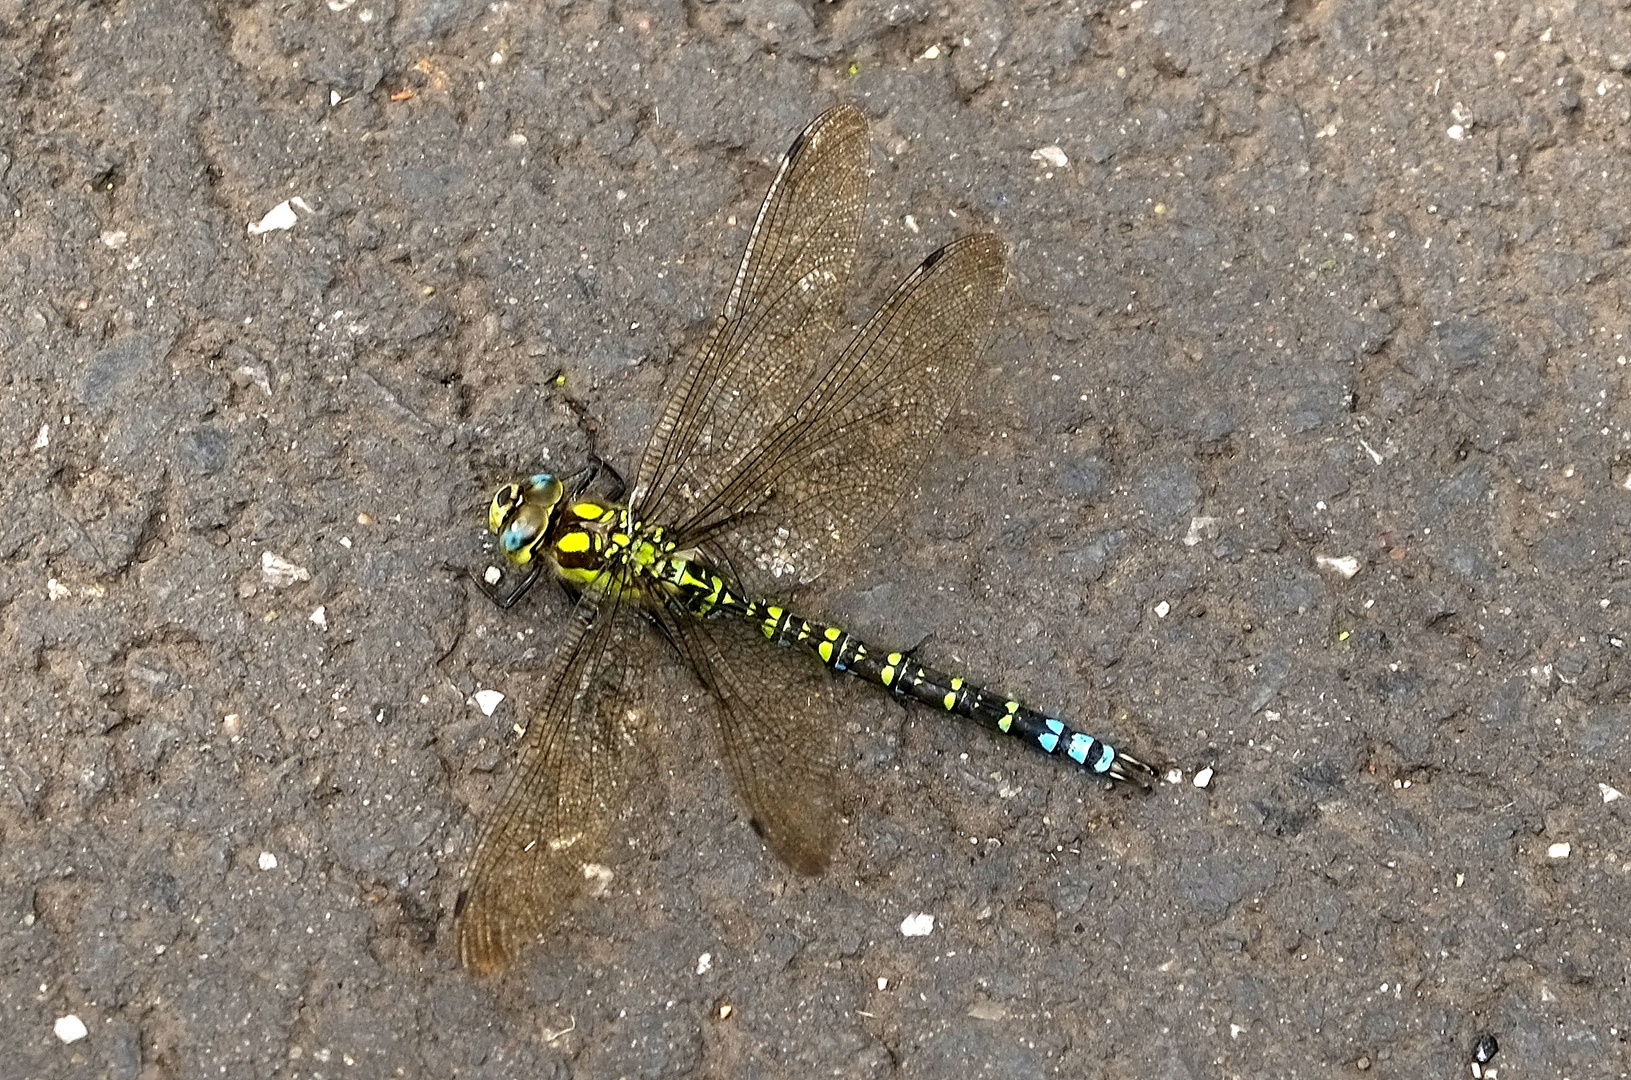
{"points": [[900, 673]]}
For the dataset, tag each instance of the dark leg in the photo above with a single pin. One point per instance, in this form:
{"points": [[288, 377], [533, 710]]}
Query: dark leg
{"points": [[507, 599]]}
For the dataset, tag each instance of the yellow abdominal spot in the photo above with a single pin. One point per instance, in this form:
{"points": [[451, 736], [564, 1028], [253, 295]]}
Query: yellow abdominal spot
{"points": [[825, 650], [887, 675], [949, 701]]}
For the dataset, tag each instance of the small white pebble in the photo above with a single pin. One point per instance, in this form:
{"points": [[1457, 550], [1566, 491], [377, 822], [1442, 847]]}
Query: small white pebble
{"points": [[1162, 609], [705, 963], [1175, 776], [1609, 794], [43, 439], [1456, 131], [279, 572], [320, 616], [70, 1028], [492, 575], [931, 53], [267, 861], [1203, 778], [919, 925], [1559, 851], [55, 589], [1052, 155], [487, 701], [281, 216], [1346, 565], [883, 983]]}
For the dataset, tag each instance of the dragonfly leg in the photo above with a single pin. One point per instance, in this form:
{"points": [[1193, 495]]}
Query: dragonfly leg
{"points": [[599, 466], [506, 599]]}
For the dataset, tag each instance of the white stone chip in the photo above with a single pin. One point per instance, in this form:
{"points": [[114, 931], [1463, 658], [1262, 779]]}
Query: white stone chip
{"points": [[1052, 155], [705, 963], [70, 1028], [56, 590], [1174, 776], [487, 701], [1346, 565], [320, 616], [1203, 778], [279, 572], [43, 439], [281, 216], [267, 861], [1200, 528], [919, 925], [1559, 851], [1609, 793], [1162, 610], [492, 575]]}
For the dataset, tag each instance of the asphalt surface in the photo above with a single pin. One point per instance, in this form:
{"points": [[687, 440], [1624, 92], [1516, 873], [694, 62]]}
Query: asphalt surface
{"points": [[1301, 456]]}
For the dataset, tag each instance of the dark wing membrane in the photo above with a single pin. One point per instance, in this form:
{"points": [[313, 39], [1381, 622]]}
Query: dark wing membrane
{"points": [[569, 785], [775, 733], [817, 482], [783, 311]]}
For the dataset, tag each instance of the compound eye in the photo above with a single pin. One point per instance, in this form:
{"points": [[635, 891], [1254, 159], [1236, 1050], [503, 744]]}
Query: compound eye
{"points": [[523, 530], [517, 540], [505, 500]]}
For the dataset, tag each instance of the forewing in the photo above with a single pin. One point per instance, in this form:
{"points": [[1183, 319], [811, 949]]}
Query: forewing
{"points": [[814, 485], [569, 786], [776, 733], [784, 310]]}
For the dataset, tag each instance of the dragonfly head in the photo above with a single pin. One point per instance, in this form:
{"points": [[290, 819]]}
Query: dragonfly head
{"points": [[521, 514]]}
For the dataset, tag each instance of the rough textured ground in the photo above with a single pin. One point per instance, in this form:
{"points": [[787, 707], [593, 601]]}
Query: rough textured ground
{"points": [[1323, 279]]}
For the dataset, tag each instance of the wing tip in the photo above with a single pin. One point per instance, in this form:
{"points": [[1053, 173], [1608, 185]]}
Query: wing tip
{"points": [[483, 947]]}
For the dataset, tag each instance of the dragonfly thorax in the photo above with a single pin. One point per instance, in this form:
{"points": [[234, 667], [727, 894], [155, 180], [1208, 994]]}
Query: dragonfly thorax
{"points": [[590, 542]]}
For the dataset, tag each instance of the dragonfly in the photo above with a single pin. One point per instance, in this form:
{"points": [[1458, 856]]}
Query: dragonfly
{"points": [[779, 449]]}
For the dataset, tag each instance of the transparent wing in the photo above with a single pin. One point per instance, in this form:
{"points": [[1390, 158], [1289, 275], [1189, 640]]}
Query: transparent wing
{"points": [[783, 313], [776, 733], [816, 482], [569, 785]]}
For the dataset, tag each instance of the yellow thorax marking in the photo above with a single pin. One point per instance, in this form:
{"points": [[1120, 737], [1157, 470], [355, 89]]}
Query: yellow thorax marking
{"points": [[588, 511], [573, 542]]}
